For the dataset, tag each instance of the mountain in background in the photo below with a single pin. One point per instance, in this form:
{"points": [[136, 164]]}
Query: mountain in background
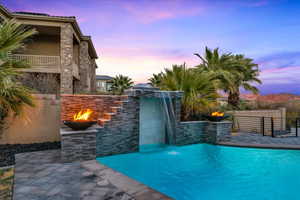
{"points": [[281, 97]]}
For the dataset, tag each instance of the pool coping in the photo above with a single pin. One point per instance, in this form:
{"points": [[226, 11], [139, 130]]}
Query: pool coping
{"points": [[261, 146], [102, 179], [132, 187]]}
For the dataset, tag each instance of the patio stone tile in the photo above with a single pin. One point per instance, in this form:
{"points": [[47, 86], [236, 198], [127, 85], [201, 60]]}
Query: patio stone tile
{"points": [[260, 140], [43, 176]]}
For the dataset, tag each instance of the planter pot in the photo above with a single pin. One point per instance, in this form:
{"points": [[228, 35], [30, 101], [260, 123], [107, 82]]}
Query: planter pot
{"points": [[79, 125], [216, 118]]}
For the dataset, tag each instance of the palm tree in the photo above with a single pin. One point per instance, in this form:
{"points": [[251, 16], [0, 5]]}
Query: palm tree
{"points": [[13, 95], [199, 92], [155, 79], [230, 72], [120, 83], [248, 74], [220, 67]]}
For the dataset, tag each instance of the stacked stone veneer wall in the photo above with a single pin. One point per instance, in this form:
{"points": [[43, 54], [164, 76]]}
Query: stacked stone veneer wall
{"points": [[217, 131], [78, 145], [100, 104], [250, 121], [194, 132], [121, 133], [191, 132]]}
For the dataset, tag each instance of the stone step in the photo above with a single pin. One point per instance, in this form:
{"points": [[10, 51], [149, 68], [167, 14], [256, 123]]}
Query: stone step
{"points": [[118, 102], [124, 99], [108, 115], [102, 121], [115, 109]]}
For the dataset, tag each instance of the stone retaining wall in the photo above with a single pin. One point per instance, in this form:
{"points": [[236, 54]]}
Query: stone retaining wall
{"points": [[191, 132], [202, 132]]}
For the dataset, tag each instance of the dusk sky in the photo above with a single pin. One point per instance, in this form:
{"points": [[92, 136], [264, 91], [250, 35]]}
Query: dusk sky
{"points": [[140, 37]]}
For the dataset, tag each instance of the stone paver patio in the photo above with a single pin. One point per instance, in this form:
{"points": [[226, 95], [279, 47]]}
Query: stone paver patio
{"points": [[43, 176], [257, 140]]}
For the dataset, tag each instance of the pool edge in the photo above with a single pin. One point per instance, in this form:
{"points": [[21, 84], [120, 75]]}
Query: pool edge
{"points": [[260, 146], [132, 187]]}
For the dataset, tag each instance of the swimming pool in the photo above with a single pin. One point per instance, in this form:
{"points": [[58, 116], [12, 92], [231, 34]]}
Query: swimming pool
{"points": [[209, 172]]}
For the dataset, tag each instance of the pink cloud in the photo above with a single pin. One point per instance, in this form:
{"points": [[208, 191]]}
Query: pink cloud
{"points": [[151, 11], [287, 75]]}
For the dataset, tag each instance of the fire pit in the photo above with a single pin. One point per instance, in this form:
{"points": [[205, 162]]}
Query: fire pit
{"points": [[216, 116], [80, 120]]}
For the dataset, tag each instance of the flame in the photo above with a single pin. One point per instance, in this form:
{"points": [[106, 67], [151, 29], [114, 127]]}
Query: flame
{"points": [[217, 114], [82, 115]]}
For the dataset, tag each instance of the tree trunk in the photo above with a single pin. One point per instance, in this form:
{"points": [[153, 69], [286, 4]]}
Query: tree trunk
{"points": [[2, 124], [1, 128], [234, 99]]}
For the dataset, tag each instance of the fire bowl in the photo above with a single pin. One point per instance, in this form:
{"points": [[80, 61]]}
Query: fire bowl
{"points": [[79, 125], [215, 118]]}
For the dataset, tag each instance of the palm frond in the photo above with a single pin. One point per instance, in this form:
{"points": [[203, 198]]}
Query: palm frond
{"points": [[120, 83], [13, 95], [13, 35]]}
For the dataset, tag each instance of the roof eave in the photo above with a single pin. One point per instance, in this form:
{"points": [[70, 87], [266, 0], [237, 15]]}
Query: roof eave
{"points": [[89, 40], [56, 19], [5, 11]]}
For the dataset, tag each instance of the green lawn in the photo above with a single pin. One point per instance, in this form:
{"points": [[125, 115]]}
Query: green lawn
{"points": [[6, 182]]}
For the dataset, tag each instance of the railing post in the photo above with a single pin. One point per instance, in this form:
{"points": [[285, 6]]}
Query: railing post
{"points": [[272, 126], [263, 126]]}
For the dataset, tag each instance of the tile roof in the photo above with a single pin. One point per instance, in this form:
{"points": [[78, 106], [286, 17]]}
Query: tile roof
{"points": [[103, 77], [42, 14]]}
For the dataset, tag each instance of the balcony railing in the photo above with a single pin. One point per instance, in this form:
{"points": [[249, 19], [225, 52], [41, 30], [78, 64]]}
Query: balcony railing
{"points": [[44, 64], [40, 63]]}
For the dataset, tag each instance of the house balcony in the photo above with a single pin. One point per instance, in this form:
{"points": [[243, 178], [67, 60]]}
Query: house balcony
{"points": [[44, 64], [40, 63]]}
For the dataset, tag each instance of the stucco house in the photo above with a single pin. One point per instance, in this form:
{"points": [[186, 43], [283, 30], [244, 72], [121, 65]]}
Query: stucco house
{"points": [[59, 51], [103, 83]]}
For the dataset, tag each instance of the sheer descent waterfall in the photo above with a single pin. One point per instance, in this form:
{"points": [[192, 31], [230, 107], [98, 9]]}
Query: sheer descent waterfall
{"points": [[169, 116]]}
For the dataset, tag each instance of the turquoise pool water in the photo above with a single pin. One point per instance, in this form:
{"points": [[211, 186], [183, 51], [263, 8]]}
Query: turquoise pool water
{"points": [[209, 172]]}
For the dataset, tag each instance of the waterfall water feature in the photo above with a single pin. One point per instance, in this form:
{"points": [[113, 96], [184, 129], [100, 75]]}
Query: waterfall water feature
{"points": [[169, 116], [157, 119], [152, 122]]}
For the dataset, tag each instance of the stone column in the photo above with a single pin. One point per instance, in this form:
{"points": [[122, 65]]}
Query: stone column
{"points": [[93, 75], [84, 66], [66, 59], [217, 131], [78, 145]]}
